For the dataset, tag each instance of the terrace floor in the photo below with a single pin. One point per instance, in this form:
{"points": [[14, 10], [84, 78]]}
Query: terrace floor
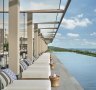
{"points": [[67, 81]]}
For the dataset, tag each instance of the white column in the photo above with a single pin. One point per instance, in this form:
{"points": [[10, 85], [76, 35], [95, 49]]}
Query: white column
{"points": [[43, 47], [41, 44], [40, 38], [36, 40], [46, 47], [29, 36], [14, 36]]}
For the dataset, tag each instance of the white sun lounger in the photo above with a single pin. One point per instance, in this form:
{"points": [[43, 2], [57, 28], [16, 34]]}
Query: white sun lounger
{"points": [[9, 82], [40, 73], [42, 61], [29, 85], [46, 60], [45, 55], [39, 65]]}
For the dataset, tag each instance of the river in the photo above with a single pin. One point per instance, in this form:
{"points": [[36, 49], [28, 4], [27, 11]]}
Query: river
{"points": [[82, 67]]}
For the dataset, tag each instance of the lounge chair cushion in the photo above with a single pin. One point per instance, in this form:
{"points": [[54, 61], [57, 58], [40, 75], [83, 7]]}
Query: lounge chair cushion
{"points": [[5, 80], [23, 65], [10, 73], [28, 61], [36, 73], [29, 85]]}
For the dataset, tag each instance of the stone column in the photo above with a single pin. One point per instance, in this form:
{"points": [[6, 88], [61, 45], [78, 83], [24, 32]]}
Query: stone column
{"points": [[46, 47], [36, 40], [40, 38], [41, 44], [14, 36], [29, 36]]}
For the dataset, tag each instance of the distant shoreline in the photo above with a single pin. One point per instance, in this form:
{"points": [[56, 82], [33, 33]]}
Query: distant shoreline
{"points": [[57, 49]]}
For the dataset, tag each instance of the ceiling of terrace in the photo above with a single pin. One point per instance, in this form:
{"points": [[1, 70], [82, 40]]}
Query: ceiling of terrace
{"points": [[48, 14]]}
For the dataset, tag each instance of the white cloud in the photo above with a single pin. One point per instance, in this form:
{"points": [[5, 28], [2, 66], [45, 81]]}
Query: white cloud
{"points": [[77, 21], [76, 39], [74, 35], [89, 43], [94, 10], [84, 40], [93, 34], [80, 15], [62, 7], [59, 36]]}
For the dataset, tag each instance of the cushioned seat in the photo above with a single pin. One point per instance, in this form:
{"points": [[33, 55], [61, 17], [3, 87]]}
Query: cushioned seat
{"points": [[39, 65], [42, 60], [10, 82], [29, 85], [45, 55], [36, 73]]}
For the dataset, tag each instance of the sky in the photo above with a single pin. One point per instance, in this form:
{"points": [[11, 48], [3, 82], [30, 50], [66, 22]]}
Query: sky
{"points": [[78, 28]]}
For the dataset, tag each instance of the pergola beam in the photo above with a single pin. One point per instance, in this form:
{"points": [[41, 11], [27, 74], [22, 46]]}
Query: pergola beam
{"points": [[47, 23], [48, 28], [40, 11], [51, 32]]}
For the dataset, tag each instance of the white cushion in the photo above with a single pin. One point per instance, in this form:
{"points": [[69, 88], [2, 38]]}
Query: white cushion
{"points": [[39, 66], [36, 73], [29, 85], [42, 61]]}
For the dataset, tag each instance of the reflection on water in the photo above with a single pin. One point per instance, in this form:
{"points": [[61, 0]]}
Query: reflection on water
{"points": [[82, 67]]}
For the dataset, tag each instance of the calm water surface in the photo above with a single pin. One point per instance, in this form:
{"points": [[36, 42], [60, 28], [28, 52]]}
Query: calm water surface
{"points": [[82, 67]]}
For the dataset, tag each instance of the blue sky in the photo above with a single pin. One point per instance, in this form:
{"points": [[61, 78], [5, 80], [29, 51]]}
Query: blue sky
{"points": [[78, 28]]}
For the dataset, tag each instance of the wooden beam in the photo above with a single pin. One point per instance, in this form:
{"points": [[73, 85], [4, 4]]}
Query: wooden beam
{"points": [[48, 28], [51, 32], [40, 11], [47, 23]]}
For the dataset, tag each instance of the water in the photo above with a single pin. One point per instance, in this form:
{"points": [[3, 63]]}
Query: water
{"points": [[82, 67]]}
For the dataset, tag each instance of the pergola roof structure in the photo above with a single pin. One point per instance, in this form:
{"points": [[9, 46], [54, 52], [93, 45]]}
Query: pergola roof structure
{"points": [[48, 17]]}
